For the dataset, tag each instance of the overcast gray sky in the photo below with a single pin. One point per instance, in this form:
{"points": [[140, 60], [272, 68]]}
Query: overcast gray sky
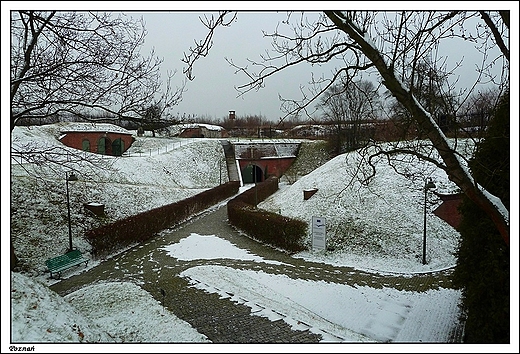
{"points": [[213, 93]]}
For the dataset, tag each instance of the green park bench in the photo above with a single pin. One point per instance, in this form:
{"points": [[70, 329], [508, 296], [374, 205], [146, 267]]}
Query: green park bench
{"points": [[65, 261]]}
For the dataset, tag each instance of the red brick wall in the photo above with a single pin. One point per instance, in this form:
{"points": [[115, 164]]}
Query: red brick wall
{"points": [[275, 167], [191, 133], [201, 132], [448, 211], [75, 140]]}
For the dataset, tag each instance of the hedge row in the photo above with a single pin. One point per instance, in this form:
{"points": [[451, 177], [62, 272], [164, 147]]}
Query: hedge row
{"points": [[271, 228], [138, 228]]}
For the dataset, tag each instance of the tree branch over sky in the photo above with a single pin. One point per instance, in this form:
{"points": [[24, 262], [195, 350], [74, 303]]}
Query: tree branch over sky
{"points": [[84, 64], [396, 48], [457, 172], [202, 47]]}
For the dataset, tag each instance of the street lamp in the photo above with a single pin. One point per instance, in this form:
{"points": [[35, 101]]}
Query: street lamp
{"points": [[427, 186], [70, 178], [253, 172]]}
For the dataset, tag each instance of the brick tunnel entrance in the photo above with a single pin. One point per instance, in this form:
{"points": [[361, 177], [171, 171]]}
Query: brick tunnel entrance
{"points": [[258, 161]]}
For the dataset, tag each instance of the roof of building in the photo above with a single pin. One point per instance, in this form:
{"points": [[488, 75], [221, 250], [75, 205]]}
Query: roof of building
{"points": [[201, 125], [71, 127]]}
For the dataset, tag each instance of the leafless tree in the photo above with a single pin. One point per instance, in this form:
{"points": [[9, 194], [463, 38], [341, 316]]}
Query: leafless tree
{"points": [[428, 85], [85, 66], [83, 63], [476, 112], [346, 105], [391, 46]]}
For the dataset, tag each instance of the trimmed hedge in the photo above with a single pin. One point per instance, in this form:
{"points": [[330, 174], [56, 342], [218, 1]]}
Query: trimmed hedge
{"points": [[260, 192], [271, 228], [138, 228]]}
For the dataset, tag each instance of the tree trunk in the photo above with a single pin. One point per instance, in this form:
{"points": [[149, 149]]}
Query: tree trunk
{"points": [[457, 173]]}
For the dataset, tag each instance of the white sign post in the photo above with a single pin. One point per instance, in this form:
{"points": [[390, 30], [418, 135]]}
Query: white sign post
{"points": [[318, 233]]}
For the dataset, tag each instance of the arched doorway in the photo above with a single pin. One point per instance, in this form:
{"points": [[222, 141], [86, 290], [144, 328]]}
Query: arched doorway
{"points": [[86, 145], [118, 147], [104, 146], [252, 173]]}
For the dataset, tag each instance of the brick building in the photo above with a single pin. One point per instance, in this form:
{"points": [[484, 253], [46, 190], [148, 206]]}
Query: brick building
{"points": [[258, 161], [99, 138], [199, 130]]}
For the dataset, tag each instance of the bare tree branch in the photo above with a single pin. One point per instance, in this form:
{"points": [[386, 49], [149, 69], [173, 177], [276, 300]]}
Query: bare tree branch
{"points": [[83, 63], [496, 34], [456, 171], [202, 47], [403, 50]]}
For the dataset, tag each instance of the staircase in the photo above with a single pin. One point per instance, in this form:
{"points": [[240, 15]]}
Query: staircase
{"points": [[231, 164]]}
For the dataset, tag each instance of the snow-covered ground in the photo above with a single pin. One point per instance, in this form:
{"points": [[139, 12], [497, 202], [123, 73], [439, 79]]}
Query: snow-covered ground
{"points": [[337, 312], [376, 228]]}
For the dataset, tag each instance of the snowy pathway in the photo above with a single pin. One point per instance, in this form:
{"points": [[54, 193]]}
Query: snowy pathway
{"points": [[255, 294]]}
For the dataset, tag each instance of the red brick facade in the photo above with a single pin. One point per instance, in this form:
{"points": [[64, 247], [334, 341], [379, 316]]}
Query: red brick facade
{"points": [[203, 131], [105, 143], [275, 166], [448, 211], [191, 133]]}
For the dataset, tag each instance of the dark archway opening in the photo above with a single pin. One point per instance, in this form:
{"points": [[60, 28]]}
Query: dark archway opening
{"points": [[118, 147], [252, 174], [104, 146]]}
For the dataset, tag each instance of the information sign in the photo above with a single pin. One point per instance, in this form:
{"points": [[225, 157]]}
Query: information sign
{"points": [[318, 233]]}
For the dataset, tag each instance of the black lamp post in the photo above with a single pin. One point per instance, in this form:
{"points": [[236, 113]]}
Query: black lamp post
{"points": [[253, 172], [70, 178], [427, 186]]}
